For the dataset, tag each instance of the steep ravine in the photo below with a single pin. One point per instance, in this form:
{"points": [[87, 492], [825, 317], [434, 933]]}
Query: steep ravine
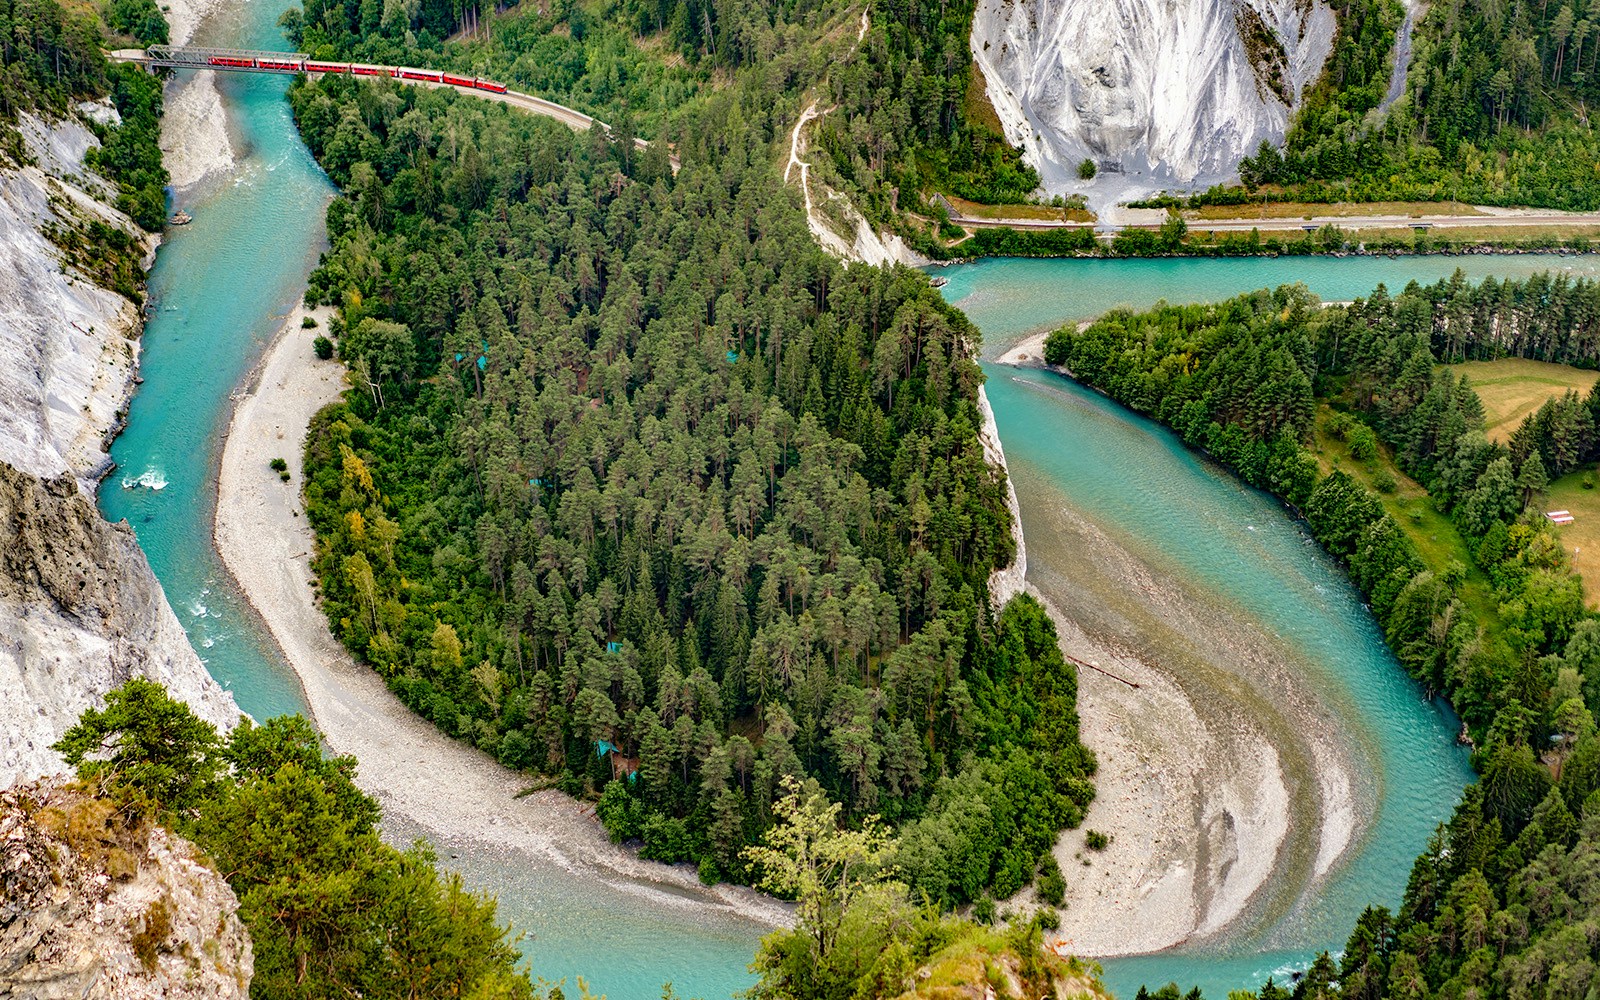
{"points": [[80, 610], [1158, 93]]}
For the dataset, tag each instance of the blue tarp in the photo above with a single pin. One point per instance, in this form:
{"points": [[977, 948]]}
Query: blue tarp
{"points": [[603, 747], [733, 356], [613, 647]]}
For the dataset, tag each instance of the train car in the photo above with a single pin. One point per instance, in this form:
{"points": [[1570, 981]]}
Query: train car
{"points": [[312, 67], [232, 62], [417, 74], [373, 70], [284, 65], [459, 81], [490, 86]]}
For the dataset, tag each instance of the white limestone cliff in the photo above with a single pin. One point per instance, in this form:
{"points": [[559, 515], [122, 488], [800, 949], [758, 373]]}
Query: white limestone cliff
{"points": [[1158, 93]]}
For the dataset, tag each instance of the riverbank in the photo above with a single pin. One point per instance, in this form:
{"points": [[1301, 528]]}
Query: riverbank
{"points": [[1214, 805], [450, 790], [195, 138]]}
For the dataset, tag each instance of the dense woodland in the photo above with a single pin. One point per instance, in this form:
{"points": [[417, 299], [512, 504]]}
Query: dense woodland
{"points": [[1494, 110], [905, 113], [642, 491], [1498, 905]]}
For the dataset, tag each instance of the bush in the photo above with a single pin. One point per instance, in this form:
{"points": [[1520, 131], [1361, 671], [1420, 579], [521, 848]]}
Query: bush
{"points": [[1050, 884], [1096, 840], [1363, 443], [1383, 481], [279, 465], [983, 911], [308, 322], [1086, 170], [323, 346], [1588, 480]]}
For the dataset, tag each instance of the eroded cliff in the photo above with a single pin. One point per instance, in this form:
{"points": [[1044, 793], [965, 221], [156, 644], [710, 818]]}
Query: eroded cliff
{"points": [[80, 609], [80, 612], [68, 347], [1158, 93]]}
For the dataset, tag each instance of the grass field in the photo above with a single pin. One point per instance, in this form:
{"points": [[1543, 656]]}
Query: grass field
{"points": [[1581, 538], [1432, 532], [1513, 388], [1043, 213], [1308, 210]]}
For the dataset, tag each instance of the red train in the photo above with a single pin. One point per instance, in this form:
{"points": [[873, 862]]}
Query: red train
{"points": [[358, 69]]}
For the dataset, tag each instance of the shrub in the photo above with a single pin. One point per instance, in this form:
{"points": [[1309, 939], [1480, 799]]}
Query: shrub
{"points": [[1363, 443], [1096, 840], [323, 346], [149, 939], [1383, 481], [1086, 170], [308, 322], [279, 465], [983, 911], [1588, 480], [1050, 885]]}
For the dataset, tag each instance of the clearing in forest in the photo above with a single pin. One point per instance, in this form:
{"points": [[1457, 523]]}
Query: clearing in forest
{"points": [[1513, 388], [1581, 538], [1438, 542]]}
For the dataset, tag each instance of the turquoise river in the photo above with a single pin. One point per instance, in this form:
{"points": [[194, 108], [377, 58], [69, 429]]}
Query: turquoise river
{"points": [[222, 284]]}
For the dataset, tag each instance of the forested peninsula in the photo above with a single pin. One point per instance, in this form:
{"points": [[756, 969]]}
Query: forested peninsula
{"points": [[641, 491], [1482, 607]]}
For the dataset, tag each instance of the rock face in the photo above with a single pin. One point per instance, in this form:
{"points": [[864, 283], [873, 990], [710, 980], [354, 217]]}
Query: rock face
{"points": [[68, 348], [96, 908], [80, 612], [1159, 93]]}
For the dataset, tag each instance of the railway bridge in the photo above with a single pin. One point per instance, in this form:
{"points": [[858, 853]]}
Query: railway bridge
{"points": [[291, 63]]}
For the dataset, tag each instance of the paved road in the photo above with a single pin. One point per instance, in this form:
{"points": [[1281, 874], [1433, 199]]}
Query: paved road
{"points": [[1498, 220]]}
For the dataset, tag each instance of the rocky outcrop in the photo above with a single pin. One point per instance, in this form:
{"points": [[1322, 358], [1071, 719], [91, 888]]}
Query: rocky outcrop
{"points": [[98, 905], [68, 348], [1158, 93], [80, 612]]}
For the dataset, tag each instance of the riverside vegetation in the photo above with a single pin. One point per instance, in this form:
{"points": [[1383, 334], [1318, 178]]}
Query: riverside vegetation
{"points": [[334, 911], [1488, 613], [638, 490]]}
